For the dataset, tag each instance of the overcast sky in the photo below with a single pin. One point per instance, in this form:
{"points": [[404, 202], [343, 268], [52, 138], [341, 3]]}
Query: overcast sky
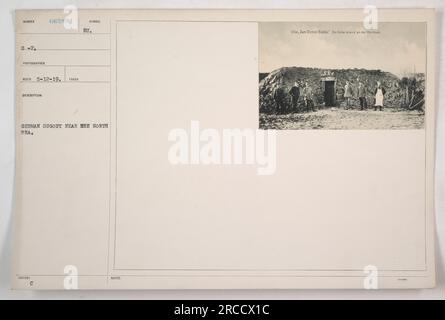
{"points": [[398, 47]]}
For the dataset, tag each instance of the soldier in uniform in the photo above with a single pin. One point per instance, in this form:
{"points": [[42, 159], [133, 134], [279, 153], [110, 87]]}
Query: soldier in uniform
{"points": [[279, 96], [348, 94], [308, 98], [361, 92]]}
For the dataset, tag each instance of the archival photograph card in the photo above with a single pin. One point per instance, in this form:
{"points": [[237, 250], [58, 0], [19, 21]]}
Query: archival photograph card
{"points": [[224, 149]]}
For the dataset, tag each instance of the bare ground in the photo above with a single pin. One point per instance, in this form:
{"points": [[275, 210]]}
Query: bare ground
{"points": [[344, 119]]}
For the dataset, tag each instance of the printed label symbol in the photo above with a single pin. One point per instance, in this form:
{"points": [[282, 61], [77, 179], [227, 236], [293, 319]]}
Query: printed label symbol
{"points": [[371, 279], [70, 281], [70, 21], [370, 21]]}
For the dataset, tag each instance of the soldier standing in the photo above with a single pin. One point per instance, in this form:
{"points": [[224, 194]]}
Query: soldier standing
{"points": [[308, 98], [362, 95], [279, 96], [348, 94]]}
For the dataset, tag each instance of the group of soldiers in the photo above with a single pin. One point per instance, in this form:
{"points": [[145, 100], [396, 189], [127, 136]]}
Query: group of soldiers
{"points": [[297, 91], [304, 91], [361, 92]]}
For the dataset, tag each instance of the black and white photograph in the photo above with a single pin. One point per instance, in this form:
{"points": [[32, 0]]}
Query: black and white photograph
{"points": [[341, 75]]}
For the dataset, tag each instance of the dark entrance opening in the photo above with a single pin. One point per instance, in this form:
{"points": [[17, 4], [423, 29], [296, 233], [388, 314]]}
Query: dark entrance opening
{"points": [[329, 93]]}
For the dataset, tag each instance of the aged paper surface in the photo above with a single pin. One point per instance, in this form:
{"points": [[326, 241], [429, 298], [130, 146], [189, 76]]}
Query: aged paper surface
{"points": [[224, 149]]}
